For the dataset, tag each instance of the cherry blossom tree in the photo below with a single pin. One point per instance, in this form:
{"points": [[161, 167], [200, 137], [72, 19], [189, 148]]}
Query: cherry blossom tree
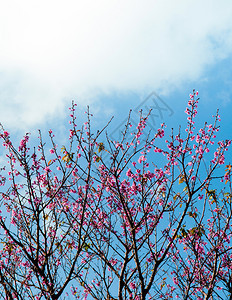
{"points": [[144, 217]]}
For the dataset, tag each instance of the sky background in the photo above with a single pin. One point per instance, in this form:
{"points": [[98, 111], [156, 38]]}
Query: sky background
{"points": [[112, 55]]}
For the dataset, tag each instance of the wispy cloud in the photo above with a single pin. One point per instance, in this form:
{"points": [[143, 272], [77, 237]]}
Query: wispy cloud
{"points": [[53, 51]]}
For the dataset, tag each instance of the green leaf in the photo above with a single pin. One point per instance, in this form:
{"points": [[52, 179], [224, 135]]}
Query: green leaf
{"points": [[181, 179], [68, 157], [101, 147], [98, 158], [63, 149], [86, 246]]}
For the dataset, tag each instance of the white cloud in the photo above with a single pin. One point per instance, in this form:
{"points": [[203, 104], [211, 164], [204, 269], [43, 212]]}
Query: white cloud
{"points": [[53, 51]]}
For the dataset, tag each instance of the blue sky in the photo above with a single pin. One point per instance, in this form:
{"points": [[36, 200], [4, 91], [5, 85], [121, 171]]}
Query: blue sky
{"points": [[112, 55]]}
